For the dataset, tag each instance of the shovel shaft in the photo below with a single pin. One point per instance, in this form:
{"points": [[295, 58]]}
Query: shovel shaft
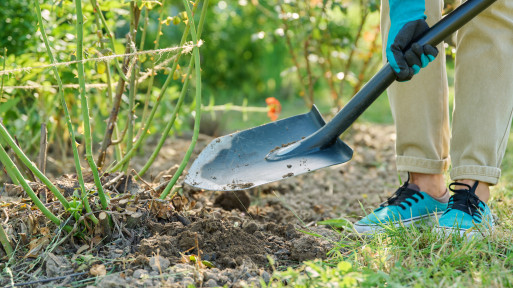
{"points": [[379, 83]]}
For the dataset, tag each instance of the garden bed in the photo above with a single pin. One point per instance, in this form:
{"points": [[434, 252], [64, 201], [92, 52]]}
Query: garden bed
{"points": [[199, 237]]}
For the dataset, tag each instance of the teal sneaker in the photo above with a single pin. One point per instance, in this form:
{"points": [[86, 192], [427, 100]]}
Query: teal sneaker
{"points": [[466, 214], [408, 206]]}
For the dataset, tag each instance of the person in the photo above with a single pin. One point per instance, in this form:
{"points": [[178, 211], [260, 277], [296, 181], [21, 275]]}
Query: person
{"points": [[483, 109]]}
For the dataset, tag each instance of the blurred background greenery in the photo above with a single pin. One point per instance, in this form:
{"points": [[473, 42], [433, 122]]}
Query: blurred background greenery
{"points": [[300, 52]]}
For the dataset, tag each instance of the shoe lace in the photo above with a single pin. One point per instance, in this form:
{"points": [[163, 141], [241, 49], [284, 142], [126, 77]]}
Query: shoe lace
{"points": [[401, 197], [466, 200]]}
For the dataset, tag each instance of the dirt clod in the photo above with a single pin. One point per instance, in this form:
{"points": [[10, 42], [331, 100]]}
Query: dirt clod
{"points": [[306, 248]]}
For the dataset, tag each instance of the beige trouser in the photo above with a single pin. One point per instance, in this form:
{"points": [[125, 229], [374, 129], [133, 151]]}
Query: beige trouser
{"points": [[483, 100]]}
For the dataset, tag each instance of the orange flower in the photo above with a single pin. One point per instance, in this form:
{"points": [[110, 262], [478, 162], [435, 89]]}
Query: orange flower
{"points": [[273, 108]]}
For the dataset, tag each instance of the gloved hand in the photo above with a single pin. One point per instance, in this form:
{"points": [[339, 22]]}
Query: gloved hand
{"points": [[407, 23]]}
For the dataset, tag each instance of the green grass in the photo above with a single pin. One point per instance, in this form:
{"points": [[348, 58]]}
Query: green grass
{"points": [[414, 257]]}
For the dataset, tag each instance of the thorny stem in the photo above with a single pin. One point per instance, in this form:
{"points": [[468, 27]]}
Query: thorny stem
{"points": [[99, 32], [145, 27], [29, 164], [24, 169], [7, 169], [140, 140], [121, 137], [76, 157], [152, 77], [5, 242], [178, 106], [4, 158], [197, 119], [111, 123], [132, 85], [170, 123], [11, 175], [85, 106]]}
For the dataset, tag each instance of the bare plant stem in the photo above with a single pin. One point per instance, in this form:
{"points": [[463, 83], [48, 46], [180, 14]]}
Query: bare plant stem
{"points": [[178, 106], [67, 116], [140, 140], [197, 119], [4, 158], [152, 77], [5, 242], [85, 106]]}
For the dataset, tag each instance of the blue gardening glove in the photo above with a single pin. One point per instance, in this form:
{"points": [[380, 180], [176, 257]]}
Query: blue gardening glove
{"points": [[407, 23]]}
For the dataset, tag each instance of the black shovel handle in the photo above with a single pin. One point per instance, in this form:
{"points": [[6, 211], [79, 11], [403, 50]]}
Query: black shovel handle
{"points": [[379, 83]]}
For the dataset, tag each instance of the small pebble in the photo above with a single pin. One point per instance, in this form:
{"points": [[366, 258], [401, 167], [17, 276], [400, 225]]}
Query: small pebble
{"points": [[210, 283], [266, 277], [139, 273], [159, 261]]}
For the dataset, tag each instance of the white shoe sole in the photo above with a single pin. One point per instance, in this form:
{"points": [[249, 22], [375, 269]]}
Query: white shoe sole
{"points": [[380, 228], [468, 233]]}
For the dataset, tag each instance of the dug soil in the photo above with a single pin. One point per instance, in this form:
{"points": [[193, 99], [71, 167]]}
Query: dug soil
{"points": [[204, 238]]}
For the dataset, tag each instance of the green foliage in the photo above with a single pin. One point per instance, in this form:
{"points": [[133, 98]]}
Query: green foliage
{"points": [[287, 50], [17, 26], [320, 274]]}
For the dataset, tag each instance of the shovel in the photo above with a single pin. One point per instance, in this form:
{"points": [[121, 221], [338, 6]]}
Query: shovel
{"points": [[302, 143]]}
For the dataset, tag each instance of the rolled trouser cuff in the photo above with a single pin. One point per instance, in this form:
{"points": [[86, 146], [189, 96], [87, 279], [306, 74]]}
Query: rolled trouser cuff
{"points": [[479, 173], [422, 165]]}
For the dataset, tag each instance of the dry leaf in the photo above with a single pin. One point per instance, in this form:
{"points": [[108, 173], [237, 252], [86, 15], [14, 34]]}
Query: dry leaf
{"points": [[82, 249], [98, 270], [36, 246], [44, 231]]}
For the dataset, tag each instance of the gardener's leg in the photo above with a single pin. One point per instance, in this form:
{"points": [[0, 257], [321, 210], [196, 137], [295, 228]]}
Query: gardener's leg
{"points": [[421, 113], [483, 109], [420, 110]]}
